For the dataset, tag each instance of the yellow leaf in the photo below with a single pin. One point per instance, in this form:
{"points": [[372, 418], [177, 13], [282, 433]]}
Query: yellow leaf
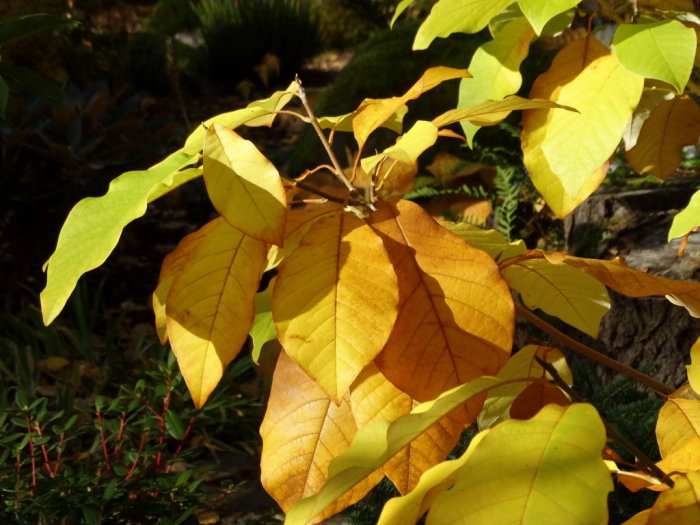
{"points": [[678, 506], [651, 97], [173, 265], [54, 363], [455, 318], [560, 290], [372, 113], [679, 421], [447, 167], [540, 12], [522, 364], [302, 432], [685, 458], [694, 366], [491, 112], [495, 68], [564, 151], [409, 508], [373, 397], [490, 241], [408, 147], [344, 122], [335, 300], [671, 125], [535, 397], [544, 470], [209, 306], [244, 187]]}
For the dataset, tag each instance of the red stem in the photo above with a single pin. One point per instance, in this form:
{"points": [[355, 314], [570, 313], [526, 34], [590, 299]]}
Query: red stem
{"points": [[31, 451], [161, 417], [182, 441], [44, 452], [120, 433], [105, 453], [142, 444], [59, 455]]}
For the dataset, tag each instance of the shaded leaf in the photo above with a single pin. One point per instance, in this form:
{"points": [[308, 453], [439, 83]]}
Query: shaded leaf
{"points": [[302, 432], [244, 186], [455, 318], [94, 225], [565, 152], [678, 506], [335, 301], [560, 290], [209, 306], [687, 219], [263, 329], [552, 473], [694, 367], [373, 397], [649, 100], [490, 241], [534, 398], [671, 125], [344, 122], [495, 68], [25, 26], [457, 16], [663, 50], [539, 12]]}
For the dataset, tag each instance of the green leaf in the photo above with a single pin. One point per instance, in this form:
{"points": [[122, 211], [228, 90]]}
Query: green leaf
{"points": [[403, 4], [174, 425], [563, 291], [539, 12], [263, 329], [94, 225], [23, 79], [495, 68], [662, 50], [4, 95], [687, 219], [457, 16], [28, 25]]}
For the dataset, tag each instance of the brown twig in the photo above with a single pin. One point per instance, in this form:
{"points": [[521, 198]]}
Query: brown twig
{"points": [[643, 461], [594, 355]]}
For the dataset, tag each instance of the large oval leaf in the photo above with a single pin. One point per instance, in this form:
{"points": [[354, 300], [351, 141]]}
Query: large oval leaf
{"points": [[678, 506], [302, 432], [566, 153], [679, 421], [209, 307], [687, 219], [244, 186], [539, 12], [455, 318], [335, 301]]}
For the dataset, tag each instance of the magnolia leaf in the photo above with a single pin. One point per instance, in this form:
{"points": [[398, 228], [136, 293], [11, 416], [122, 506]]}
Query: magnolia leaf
{"points": [[335, 300], [491, 112], [662, 50], [372, 113], [400, 8], [649, 100], [257, 113], [694, 367], [539, 12], [566, 153], [490, 241], [671, 125], [552, 473], [457, 16], [565, 292], [521, 365], [302, 432], [409, 508], [679, 421], [535, 397], [669, 5], [244, 186], [209, 307], [685, 458], [373, 397], [344, 122], [617, 275], [377, 442], [495, 68], [172, 267], [94, 225], [263, 329], [455, 318], [686, 219], [678, 506], [408, 147]]}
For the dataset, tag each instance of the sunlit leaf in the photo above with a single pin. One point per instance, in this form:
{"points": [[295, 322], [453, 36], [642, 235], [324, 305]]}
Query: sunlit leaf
{"points": [[335, 301], [302, 432], [678, 506], [263, 329], [244, 186], [373, 397], [457, 16], [694, 367], [679, 421], [210, 306], [455, 318], [544, 470], [687, 219], [344, 122], [491, 112], [372, 113], [565, 152], [94, 225], [663, 50], [671, 125], [522, 364], [408, 147], [400, 8], [560, 290], [490, 241], [539, 12], [495, 68], [375, 443]]}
